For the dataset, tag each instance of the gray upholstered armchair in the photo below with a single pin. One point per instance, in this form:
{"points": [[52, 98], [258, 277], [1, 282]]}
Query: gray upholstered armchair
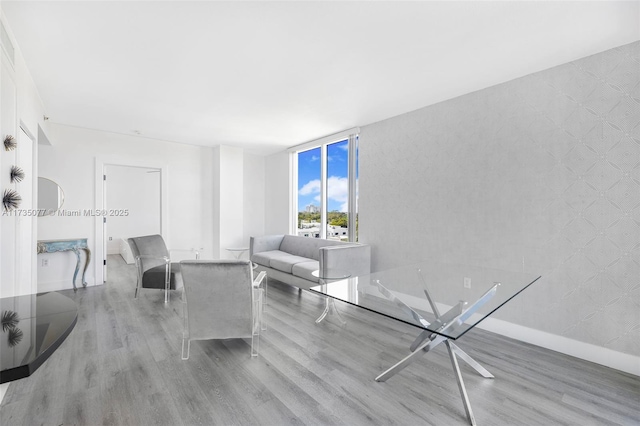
{"points": [[155, 269], [222, 301]]}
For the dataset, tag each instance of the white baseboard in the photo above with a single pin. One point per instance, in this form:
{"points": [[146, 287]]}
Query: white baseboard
{"points": [[44, 287], [593, 353], [586, 351]]}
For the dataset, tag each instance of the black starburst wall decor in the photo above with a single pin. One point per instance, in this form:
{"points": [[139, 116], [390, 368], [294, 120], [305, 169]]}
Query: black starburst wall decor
{"points": [[17, 174], [10, 322], [10, 143], [11, 200], [15, 336]]}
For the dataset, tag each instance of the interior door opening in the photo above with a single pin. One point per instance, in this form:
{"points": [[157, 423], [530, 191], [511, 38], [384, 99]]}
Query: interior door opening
{"points": [[132, 207]]}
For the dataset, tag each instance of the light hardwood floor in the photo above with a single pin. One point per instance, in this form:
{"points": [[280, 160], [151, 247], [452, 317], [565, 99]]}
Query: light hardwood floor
{"points": [[121, 365]]}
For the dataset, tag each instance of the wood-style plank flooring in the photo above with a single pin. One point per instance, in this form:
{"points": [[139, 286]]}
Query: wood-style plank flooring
{"points": [[121, 366]]}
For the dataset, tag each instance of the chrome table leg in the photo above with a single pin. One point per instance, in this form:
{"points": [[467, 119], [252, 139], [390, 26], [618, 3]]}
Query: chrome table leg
{"points": [[463, 390], [424, 347], [472, 362]]}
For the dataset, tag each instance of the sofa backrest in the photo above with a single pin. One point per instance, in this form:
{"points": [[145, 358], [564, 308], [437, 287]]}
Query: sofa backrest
{"points": [[307, 247]]}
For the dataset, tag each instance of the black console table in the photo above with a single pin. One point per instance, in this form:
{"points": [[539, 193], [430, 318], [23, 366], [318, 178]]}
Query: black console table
{"points": [[33, 327]]}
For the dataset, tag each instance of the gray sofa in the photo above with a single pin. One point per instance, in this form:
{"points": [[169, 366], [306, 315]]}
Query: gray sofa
{"points": [[292, 259]]}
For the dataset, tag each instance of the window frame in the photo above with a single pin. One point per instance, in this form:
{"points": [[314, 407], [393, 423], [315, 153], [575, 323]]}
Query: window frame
{"points": [[351, 136]]}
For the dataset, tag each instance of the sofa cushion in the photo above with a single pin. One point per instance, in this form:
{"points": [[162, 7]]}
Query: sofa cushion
{"points": [[264, 258], [304, 270], [156, 277], [286, 263], [305, 247]]}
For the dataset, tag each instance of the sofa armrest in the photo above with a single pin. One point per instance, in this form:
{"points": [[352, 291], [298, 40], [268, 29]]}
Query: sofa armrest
{"points": [[355, 259], [264, 243]]}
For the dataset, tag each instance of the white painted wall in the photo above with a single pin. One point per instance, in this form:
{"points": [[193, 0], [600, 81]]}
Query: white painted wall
{"points": [[215, 203], [134, 192], [8, 224], [20, 106], [238, 200], [277, 194], [26, 225], [229, 202], [71, 162], [254, 197]]}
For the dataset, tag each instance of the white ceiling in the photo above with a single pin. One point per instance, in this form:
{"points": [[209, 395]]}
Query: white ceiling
{"points": [[269, 75]]}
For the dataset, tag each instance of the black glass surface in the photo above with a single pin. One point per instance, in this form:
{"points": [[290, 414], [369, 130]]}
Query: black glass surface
{"points": [[33, 327]]}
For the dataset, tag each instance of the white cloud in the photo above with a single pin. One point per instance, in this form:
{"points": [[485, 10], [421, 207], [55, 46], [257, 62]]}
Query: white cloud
{"points": [[311, 187], [338, 190]]}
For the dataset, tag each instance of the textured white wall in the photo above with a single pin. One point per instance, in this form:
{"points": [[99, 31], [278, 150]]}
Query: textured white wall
{"points": [[544, 170]]}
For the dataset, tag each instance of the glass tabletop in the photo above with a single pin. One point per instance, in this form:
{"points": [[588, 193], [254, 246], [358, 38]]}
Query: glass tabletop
{"points": [[446, 299], [331, 274]]}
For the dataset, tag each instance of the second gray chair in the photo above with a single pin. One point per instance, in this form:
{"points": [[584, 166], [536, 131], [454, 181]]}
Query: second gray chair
{"points": [[154, 266], [222, 301]]}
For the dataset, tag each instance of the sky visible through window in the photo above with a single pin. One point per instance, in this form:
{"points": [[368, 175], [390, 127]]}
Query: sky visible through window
{"points": [[337, 171]]}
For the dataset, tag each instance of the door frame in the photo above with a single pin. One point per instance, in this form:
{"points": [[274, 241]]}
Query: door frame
{"points": [[30, 221], [100, 203]]}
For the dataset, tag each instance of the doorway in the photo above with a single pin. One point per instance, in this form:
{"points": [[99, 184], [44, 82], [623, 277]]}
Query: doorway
{"points": [[133, 205], [132, 198], [26, 259]]}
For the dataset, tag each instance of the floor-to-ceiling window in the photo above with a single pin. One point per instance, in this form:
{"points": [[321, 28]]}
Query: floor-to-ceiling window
{"points": [[337, 184], [309, 193], [326, 190]]}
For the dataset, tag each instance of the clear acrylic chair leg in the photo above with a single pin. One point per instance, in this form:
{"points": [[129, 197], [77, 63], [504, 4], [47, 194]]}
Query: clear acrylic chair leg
{"points": [[167, 282], [257, 321], [188, 346], [139, 277], [266, 286], [185, 328]]}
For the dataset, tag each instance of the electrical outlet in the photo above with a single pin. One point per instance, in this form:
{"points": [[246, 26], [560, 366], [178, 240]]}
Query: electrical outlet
{"points": [[45, 263], [110, 238], [467, 282]]}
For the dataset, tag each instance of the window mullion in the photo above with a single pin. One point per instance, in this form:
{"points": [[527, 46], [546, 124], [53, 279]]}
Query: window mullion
{"points": [[293, 197], [352, 213], [323, 191]]}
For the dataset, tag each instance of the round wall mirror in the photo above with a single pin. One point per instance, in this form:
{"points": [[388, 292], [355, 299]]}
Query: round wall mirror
{"points": [[50, 196]]}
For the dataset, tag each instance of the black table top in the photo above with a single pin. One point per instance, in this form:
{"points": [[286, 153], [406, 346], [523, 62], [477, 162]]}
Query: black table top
{"points": [[33, 327]]}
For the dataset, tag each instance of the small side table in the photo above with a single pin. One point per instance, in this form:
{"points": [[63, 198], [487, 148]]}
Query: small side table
{"points": [[330, 305], [237, 251]]}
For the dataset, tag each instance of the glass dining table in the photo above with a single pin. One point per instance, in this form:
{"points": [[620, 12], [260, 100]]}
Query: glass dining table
{"points": [[442, 301]]}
